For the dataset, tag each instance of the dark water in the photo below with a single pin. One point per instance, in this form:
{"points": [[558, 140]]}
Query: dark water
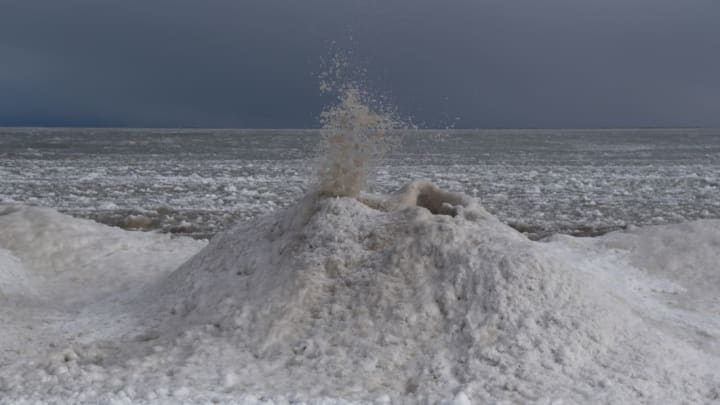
{"points": [[198, 181]]}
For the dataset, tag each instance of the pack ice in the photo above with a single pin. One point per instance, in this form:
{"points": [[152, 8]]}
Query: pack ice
{"points": [[419, 297]]}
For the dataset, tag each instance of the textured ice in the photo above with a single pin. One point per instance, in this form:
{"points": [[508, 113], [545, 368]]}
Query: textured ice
{"points": [[582, 182]]}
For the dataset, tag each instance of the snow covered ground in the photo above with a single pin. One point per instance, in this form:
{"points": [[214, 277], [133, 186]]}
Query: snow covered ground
{"points": [[421, 297]]}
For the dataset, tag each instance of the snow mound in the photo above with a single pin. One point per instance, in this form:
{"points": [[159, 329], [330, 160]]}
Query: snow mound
{"points": [[686, 254], [420, 297], [39, 246]]}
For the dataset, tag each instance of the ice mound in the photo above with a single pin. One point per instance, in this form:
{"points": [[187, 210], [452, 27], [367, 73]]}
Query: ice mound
{"points": [[63, 281], [420, 297], [685, 254], [39, 246]]}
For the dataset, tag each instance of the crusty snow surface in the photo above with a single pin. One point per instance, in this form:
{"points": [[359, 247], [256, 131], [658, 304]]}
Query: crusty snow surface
{"points": [[421, 297]]}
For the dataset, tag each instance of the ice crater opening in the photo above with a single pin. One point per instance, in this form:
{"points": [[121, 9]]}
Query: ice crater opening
{"points": [[431, 197]]}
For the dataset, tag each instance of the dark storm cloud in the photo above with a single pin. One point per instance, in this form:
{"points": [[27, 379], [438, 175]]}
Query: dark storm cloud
{"points": [[242, 63]]}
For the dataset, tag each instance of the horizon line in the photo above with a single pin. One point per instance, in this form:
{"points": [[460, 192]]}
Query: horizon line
{"points": [[396, 129]]}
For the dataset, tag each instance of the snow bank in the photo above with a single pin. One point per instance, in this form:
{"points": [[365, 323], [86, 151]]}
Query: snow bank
{"points": [[81, 259], [64, 281], [420, 297], [685, 254]]}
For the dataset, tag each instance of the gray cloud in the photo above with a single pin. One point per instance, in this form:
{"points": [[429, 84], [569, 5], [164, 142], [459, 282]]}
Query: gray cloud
{"points": [[501, 63]]}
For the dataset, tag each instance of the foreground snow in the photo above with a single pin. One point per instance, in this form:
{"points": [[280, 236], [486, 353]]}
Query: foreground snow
{"points": [[421, 297]]}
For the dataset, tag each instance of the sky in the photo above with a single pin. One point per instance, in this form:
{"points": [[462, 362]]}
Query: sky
{"points": [[442, 63]]}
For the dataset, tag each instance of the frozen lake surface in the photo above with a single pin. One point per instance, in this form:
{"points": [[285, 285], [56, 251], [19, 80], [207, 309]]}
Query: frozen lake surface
{"points": [[420, 296], [197, 182]]}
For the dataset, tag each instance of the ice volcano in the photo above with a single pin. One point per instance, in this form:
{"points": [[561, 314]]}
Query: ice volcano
{"points": [[419, 297], [423, 295]]}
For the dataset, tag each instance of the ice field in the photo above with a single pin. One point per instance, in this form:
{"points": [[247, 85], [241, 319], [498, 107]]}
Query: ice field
{"points": [[465, 288], [195, 182]]}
